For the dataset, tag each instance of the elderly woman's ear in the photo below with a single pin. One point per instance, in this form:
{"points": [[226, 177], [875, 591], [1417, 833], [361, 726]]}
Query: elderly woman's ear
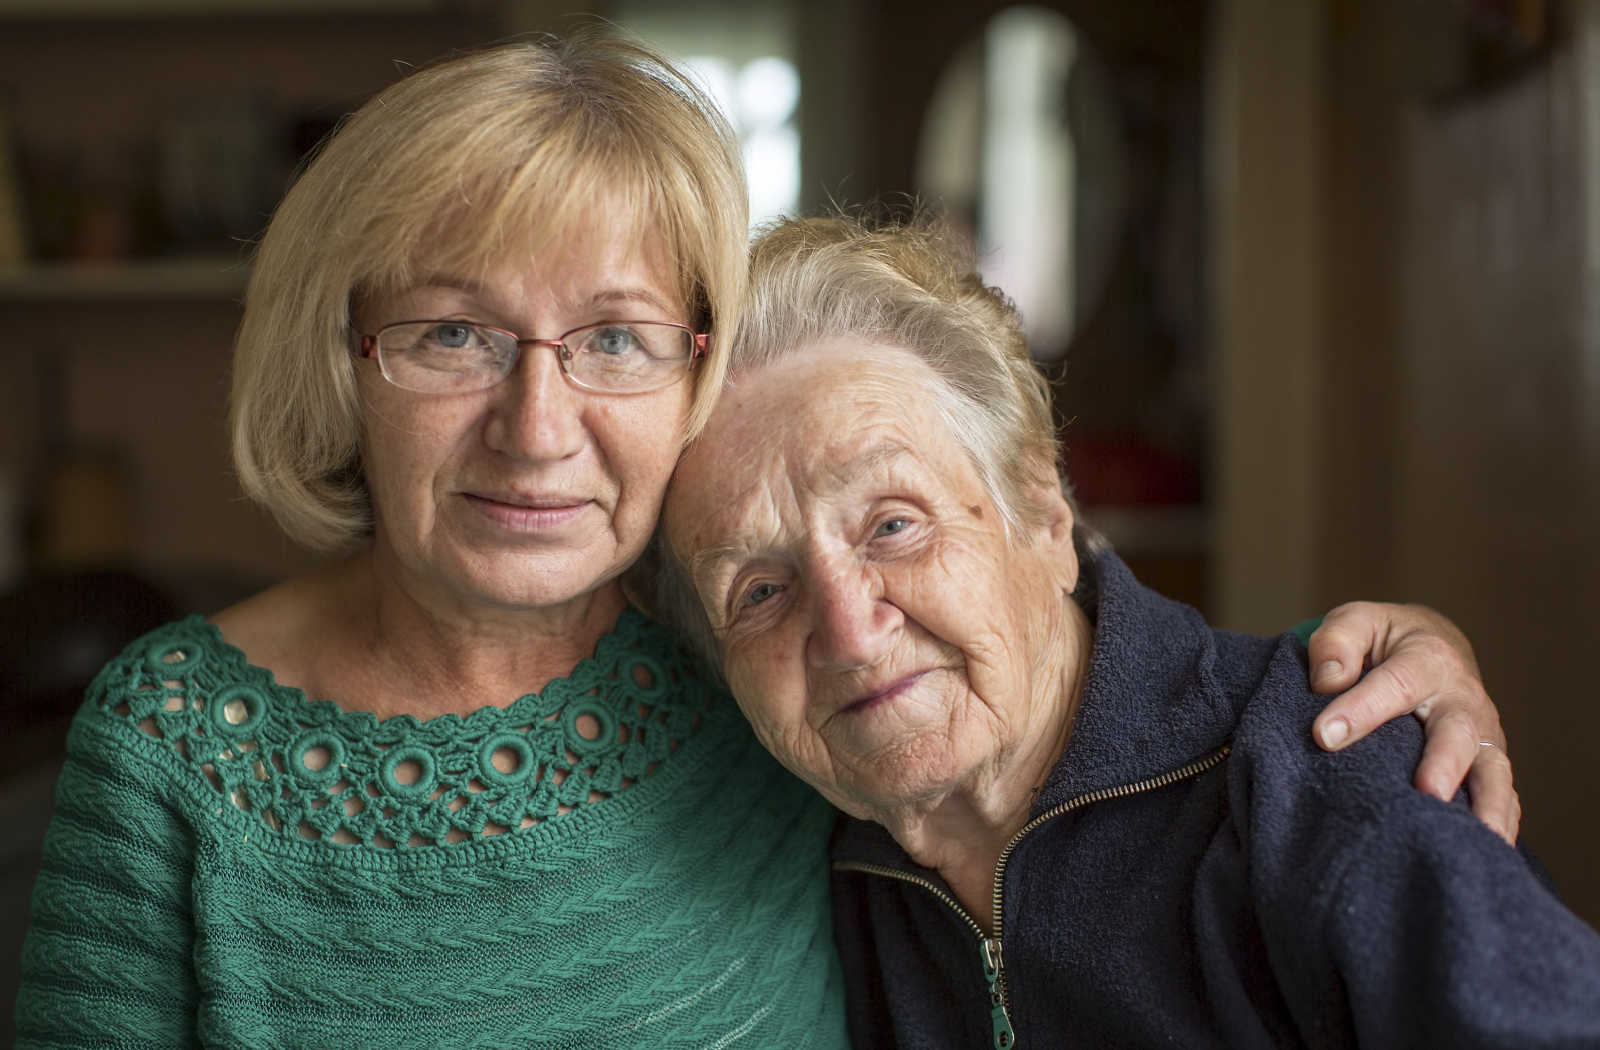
{"points": [[1049, 521]]}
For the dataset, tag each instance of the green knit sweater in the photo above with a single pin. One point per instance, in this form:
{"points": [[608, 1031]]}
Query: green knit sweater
{"points": [[612, 862]]}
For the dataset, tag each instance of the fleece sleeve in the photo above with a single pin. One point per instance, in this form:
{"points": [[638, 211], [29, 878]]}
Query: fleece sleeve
{"points": [[107, 960], [1444, 936], [1392, 919]]}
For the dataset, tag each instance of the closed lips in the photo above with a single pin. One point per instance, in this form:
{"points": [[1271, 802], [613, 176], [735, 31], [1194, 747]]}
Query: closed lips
{"points": [[528, 502], [890, 689]]}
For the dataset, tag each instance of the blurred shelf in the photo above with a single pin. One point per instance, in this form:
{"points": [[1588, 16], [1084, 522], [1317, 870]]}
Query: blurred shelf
{"points": [[201, 277], [1153, 531]]}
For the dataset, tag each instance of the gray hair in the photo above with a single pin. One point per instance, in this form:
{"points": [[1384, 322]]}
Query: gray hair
{"points": [[913, 286]]}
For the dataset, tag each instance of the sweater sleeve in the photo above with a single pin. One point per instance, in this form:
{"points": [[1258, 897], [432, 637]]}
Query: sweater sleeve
{"points": [[107, 959]]}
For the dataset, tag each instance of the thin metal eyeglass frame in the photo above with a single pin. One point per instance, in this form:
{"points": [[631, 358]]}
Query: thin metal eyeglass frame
{"points": [[564, 355]]}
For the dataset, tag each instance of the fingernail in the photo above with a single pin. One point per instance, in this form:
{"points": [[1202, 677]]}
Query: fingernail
{"points": [[1334, 732], [1328, 669]]}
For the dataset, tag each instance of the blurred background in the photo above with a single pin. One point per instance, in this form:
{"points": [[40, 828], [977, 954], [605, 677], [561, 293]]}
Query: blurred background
{"points": [[1317, 279]]}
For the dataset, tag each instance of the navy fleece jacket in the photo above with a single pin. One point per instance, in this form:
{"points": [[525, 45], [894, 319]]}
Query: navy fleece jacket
{"points": [[1212, 879]]}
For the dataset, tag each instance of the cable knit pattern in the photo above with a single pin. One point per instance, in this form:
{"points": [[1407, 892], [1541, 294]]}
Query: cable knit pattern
{"points": [[611, 862]]}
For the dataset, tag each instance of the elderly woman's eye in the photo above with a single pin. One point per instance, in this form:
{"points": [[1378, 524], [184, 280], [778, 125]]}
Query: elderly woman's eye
{"points": [[759, 593], [891, 526]]}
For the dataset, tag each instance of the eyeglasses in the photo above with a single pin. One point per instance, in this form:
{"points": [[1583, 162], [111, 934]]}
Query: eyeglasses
{"points": [[612, 357]]}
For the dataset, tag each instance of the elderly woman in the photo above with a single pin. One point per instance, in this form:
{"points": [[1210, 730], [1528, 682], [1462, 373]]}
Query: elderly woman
{"points": [[1083, 817], [451, 789]]}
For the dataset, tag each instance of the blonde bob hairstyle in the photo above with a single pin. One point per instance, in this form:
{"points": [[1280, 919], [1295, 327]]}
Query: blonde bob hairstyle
{"points": [[451, 170]]}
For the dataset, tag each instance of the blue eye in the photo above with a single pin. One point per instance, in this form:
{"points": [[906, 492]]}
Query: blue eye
{"points": [[613, 341], [890, 527], [445, 357], [760, 593], [450, 336]]}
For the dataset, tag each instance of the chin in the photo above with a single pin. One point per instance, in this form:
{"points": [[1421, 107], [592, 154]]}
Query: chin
{"points": [[916, 770], [532, 581]]}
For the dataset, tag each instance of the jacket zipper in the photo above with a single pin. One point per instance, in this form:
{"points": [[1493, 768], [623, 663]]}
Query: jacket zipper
{"points": [[989, 947], [994, 973]]}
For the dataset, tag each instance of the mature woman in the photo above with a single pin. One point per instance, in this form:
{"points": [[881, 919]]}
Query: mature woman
{"points": [[451, 789], [1084, 817]]}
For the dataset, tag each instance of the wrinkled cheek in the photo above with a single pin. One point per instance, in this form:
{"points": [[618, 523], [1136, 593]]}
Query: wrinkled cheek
{"points": [[751, 697], [779, 731], [799, 749], [995, 687], [787, 741]]}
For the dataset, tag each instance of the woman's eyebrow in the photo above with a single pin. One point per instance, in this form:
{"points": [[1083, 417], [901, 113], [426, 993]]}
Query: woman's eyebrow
{"points": [[868, 461], [707, 564], [449, 280], [628, 296], [623, 296]]}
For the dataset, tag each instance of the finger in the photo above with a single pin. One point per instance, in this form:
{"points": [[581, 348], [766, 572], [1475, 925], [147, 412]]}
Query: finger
{"points": [[1494, 796], [1450, 750], [1386, 693], [1337, 651]]}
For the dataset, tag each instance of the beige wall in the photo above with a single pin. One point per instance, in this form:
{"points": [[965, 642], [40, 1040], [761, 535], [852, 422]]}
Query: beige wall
{"points": [[1407, 378], [1267, 265], [1497, 493]]}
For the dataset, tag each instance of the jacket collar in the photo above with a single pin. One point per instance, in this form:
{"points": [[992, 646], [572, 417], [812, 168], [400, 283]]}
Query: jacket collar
{"points": [[1151, 701]]}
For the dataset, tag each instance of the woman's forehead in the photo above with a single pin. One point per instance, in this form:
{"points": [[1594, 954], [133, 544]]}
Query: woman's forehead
{"points": [[812, 427], [577, 267], [479, 228], [815, 372], [830, 396]]}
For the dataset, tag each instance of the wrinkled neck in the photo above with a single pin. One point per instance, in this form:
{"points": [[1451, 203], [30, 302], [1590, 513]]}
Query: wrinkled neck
{"points": [[962, 833]]}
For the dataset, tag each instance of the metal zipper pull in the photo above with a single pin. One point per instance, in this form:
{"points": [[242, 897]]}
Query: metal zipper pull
{"points": [[1000, 1021]]}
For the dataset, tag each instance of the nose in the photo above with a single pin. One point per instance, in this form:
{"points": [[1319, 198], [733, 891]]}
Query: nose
{"points": [[536, 413], [852, 622]]}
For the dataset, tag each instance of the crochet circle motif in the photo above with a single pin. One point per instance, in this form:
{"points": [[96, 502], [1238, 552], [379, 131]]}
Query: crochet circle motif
{"points": [[330, 757], [166, 660], [516, 746], [308, 770], [237, 710]]}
